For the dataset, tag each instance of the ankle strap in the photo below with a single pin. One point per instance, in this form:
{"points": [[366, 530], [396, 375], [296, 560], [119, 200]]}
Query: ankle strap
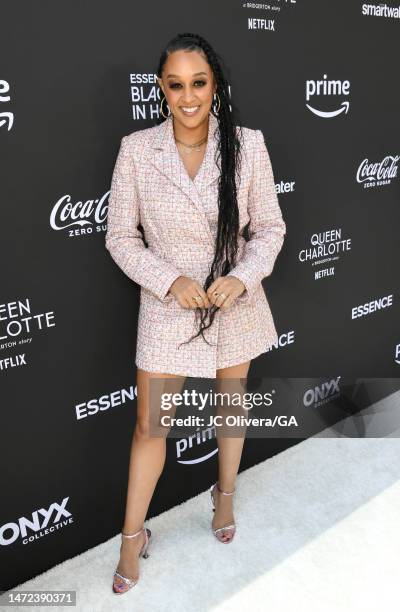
{"points": [[133, 535], [224, 492]]}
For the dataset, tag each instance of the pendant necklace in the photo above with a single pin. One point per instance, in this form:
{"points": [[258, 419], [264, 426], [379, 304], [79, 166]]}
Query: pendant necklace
{"points": [[192, 147]]}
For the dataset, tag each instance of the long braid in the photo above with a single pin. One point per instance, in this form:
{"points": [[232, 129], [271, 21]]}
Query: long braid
{"points": [[228, 160]]}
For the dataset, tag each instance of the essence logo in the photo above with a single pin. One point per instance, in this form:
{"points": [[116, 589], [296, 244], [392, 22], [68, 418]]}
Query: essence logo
{"points": [[195, 441], [365, 309], [145, 97], [41, 523], [6, 118], [319, 395], [375, 174], [84, 217], [326, 88], [105, 402]]}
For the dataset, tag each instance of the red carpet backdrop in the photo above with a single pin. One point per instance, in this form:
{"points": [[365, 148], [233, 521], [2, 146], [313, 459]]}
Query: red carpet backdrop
{"points": [[320, 79]]}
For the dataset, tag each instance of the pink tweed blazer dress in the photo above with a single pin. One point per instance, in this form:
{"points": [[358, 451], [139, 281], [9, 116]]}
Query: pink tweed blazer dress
{"points": [[151, 186]]}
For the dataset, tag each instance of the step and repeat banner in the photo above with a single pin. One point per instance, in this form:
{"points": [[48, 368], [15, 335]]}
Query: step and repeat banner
{"points": [[319, 78]]}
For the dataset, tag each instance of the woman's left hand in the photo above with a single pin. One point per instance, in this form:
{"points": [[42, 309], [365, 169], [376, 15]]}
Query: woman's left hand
{"points": [[228, 289]]}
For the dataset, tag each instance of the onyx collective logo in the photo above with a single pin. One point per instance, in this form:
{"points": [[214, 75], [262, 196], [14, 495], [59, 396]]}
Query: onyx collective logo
{"points": [[41, 523], [322, 394]]}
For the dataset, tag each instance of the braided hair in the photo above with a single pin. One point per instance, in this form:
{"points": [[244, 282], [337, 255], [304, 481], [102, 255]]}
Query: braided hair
{"points": [[228, 160]]}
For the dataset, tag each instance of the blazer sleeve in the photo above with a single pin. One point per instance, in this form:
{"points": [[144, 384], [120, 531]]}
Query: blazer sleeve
{"points": [[266, 228], [123, 239]]}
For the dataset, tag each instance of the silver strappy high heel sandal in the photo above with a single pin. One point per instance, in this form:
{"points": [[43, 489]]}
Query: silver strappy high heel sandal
{"points": [[226, 530], [118, 586]]}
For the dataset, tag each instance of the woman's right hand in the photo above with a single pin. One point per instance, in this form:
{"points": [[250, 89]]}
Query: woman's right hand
{"points": [[185, 289]]}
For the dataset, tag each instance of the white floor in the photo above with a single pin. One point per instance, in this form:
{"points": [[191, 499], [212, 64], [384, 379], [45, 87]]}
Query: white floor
{"points": [[318, 530]]}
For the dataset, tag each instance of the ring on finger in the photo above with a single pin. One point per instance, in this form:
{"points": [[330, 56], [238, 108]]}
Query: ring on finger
{"points": [[217, 294], [223, 295]]}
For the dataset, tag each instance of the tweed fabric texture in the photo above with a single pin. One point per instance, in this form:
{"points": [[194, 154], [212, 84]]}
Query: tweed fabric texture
{"points": [[151, 186]]}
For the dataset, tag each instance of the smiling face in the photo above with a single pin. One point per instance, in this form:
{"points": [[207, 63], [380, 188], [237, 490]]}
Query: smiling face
{"points": [[188, 85]]}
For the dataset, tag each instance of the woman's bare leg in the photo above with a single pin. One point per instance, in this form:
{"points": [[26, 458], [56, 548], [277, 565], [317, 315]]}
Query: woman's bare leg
{"points": [[229, 451], [147, 461]]}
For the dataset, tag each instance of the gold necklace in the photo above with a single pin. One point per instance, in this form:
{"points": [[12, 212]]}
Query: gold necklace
{"points": [[192, 147]]}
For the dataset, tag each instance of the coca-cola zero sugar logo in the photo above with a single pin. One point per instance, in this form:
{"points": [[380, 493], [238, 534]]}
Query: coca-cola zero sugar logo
{"points": [[376, 174], [80, 218]]}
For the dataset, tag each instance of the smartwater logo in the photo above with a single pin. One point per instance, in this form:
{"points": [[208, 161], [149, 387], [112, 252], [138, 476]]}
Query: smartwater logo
{"points": [[41, 523], [285, 187], [6, 117], [321, 394], [324, 89], [82, 217], [380, 10], [376, 174], [193, 445]]}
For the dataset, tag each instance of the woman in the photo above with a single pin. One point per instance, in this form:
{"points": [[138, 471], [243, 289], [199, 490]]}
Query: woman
{"points": [[196, 183]]}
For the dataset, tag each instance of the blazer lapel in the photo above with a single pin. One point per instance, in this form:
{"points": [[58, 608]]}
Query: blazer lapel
{"points": [[166, 159]]}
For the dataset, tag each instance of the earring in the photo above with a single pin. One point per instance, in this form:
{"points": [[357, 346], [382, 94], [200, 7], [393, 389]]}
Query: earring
{"points": [[219, 103], [161, 108]]}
